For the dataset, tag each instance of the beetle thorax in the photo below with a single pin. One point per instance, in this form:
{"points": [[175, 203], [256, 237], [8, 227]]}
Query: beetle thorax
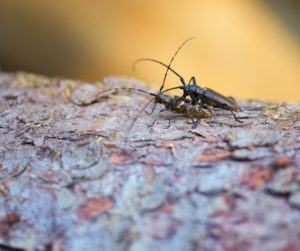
{"points": [[194, 90]]}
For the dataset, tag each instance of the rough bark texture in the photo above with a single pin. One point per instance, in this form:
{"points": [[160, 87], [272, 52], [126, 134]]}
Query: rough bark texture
{"points": [[73, 179]]}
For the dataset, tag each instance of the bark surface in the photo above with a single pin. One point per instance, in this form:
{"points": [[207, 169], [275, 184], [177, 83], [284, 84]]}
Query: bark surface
{"points": [[73, 178]]}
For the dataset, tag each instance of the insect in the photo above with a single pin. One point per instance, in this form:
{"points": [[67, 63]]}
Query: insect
{"points": [[199, 95], [170, 103]]}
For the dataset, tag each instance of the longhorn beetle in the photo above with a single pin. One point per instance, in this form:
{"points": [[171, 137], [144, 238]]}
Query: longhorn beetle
{"points": [[199, 95]]}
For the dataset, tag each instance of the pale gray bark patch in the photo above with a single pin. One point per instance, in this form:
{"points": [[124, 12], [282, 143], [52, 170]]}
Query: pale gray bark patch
{"points": [[73, 178]]}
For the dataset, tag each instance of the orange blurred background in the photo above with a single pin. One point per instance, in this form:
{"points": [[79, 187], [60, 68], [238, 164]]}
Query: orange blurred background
{"points": [[244, 48]]}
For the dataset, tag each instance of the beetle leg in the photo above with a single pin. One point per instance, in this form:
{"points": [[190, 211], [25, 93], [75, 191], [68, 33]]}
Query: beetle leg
{"points": [[190, 116], [198, 117], [156, 117], [236, 119], [197, 122], [193, 80], [234, 103], [177, 100], [169, 124], [194, 123], [153, 108]]}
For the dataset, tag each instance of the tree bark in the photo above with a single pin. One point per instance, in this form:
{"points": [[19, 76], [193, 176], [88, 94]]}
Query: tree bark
{"points": [[74, 178]]}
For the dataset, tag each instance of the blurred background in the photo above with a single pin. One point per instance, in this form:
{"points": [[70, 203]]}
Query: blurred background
{"points": [[244, 48]]}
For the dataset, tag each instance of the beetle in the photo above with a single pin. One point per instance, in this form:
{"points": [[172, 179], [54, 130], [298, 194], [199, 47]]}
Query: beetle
{"points": [[199, 95]]}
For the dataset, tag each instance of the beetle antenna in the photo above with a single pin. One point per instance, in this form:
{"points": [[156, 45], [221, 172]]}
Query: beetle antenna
{"points": [[98, 95], [173, 88], [171, 61], [161, 63], [140, 112]]}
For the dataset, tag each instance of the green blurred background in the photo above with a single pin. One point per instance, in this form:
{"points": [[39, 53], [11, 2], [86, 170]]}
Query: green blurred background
{"points": [[244, 48]]}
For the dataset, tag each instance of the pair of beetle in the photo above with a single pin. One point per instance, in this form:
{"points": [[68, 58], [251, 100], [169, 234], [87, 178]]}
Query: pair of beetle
{"points": [[195, 100]]}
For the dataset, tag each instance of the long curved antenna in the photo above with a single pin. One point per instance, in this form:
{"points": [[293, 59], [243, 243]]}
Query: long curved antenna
{"points": [[130, 89], [169, 66], [136, 118], [161, 63], [173, 88], [124, 88]]}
